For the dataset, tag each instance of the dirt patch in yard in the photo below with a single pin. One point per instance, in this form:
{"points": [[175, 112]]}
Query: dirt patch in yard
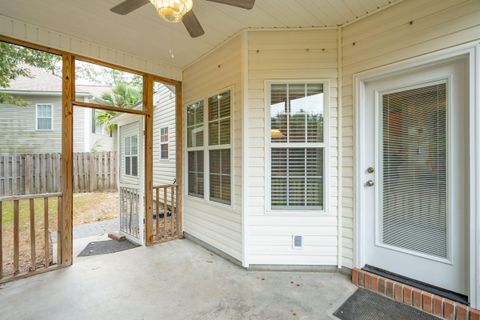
{"points": [[87, 208]]}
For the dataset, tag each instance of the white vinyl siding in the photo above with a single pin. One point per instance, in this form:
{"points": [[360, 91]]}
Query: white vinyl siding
{"points": [[283, 55], [44, 116], [217, 224], [164, 170], [388, 37]]}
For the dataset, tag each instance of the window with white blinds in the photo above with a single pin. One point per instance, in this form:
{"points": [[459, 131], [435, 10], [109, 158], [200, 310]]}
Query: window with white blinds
{"points": [[414, 170], [44, 116], [213, 113], [219, 147], [296, 146], [195, 149]]}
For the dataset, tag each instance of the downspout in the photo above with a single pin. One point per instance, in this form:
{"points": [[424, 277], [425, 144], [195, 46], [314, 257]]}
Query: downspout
{"points": [[339, 145]]}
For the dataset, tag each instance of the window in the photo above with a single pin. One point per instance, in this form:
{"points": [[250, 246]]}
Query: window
{"points": [[297, 148], [131, 155], [44, 114], [195, 132], [219, 147], [164, 143], [216, 152]]}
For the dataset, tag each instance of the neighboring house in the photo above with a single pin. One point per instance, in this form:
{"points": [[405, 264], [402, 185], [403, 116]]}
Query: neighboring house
{"points": [[130, 139], [36, 128]]}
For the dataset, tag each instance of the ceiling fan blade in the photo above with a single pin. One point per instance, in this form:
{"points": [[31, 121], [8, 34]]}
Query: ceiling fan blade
{"points": [[244, 4], [192, 24], [128, 6]]}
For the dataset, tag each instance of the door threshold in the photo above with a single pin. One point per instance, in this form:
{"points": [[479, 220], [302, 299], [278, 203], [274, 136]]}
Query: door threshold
{"points": [[457, 297]]}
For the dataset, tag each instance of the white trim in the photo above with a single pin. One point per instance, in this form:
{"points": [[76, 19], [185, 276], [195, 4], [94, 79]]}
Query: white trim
{"points": [[339, 147], [359, 80], [245, 153], [325, 145], [51, 118]]}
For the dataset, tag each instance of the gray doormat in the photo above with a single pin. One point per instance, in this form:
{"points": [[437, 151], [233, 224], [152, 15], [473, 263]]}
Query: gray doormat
{"points": [[364, 304], [107, 246]]}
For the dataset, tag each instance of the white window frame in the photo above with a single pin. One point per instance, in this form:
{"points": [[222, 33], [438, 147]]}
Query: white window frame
{"points": [[325, 145], [206, 151], [164, 143], [131, 155], [36, 116]]}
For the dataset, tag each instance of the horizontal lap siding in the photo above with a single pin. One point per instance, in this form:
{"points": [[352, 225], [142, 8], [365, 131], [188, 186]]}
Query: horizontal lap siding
{"points": [[217, 225], [408, 29], [18, 132], [289, 55], [164, 116]]}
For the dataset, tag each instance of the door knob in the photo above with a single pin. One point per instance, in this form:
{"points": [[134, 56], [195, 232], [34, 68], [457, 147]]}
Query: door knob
{"points": [[370, 170], [370, 183]]}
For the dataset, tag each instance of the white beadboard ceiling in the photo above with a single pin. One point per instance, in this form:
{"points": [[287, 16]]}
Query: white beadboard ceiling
{"points": [[145, 34]]}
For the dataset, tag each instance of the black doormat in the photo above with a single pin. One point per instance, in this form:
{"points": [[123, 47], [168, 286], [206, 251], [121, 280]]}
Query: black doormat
{"points": [[366, 305], [107, 246]]}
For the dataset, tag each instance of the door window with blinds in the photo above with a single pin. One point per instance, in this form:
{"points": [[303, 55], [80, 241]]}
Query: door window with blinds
{"points": [[296, 146], [413, 158], [209, 151]]}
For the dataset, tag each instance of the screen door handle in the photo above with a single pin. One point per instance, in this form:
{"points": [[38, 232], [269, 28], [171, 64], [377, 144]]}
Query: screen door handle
{"points": [[370, 183]]}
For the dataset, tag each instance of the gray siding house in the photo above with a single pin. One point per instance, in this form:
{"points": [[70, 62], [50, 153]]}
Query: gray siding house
{"points": [[36, 128]]}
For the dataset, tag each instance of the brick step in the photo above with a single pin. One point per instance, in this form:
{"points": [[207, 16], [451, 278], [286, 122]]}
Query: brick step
{"points": [[422, 300]]}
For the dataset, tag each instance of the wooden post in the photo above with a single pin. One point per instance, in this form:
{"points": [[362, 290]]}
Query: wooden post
{"points": [[46, 232], [148, 155], [16, 237], [179, 157], [68, 94], [33, 250]]}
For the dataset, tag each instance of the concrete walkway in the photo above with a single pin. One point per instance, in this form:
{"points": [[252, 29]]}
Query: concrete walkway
{"points": [[175, 280]]}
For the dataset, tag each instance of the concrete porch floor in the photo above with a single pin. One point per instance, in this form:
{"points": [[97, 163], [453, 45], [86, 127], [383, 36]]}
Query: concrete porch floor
{"points": [[175, 280]]}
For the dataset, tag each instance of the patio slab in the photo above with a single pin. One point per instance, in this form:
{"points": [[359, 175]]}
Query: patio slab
{"points": [[175, 280]]}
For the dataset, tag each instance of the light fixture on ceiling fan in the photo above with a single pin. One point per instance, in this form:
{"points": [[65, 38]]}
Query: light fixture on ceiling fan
{"points": [[178, 10]]}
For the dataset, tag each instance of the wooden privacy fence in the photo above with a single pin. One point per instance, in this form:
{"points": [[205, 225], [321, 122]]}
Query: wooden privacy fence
{"points": [[40, 173]]}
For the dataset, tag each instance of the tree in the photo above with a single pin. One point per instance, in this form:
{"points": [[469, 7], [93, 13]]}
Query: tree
{"points": [[123, 95], [15, 62]]}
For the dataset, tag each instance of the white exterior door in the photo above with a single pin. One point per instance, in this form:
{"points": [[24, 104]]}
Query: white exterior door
{"points": [[415, 178]]}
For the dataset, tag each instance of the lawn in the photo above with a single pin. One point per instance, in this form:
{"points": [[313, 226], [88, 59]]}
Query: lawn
{"points": [[88, 207]]}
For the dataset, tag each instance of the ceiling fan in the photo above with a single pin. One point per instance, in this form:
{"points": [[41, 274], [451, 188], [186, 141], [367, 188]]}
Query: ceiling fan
{"points": [[178, 10]]}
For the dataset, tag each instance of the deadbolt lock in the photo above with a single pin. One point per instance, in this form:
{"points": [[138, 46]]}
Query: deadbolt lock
{"points": [[370, 170]]}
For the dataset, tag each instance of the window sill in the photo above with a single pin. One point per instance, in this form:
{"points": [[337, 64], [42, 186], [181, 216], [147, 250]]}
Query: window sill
{"points": [[209, 202], [299, 213]]}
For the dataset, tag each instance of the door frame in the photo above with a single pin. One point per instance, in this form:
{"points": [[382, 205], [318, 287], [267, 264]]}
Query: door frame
{"points": [[472, 51]]}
